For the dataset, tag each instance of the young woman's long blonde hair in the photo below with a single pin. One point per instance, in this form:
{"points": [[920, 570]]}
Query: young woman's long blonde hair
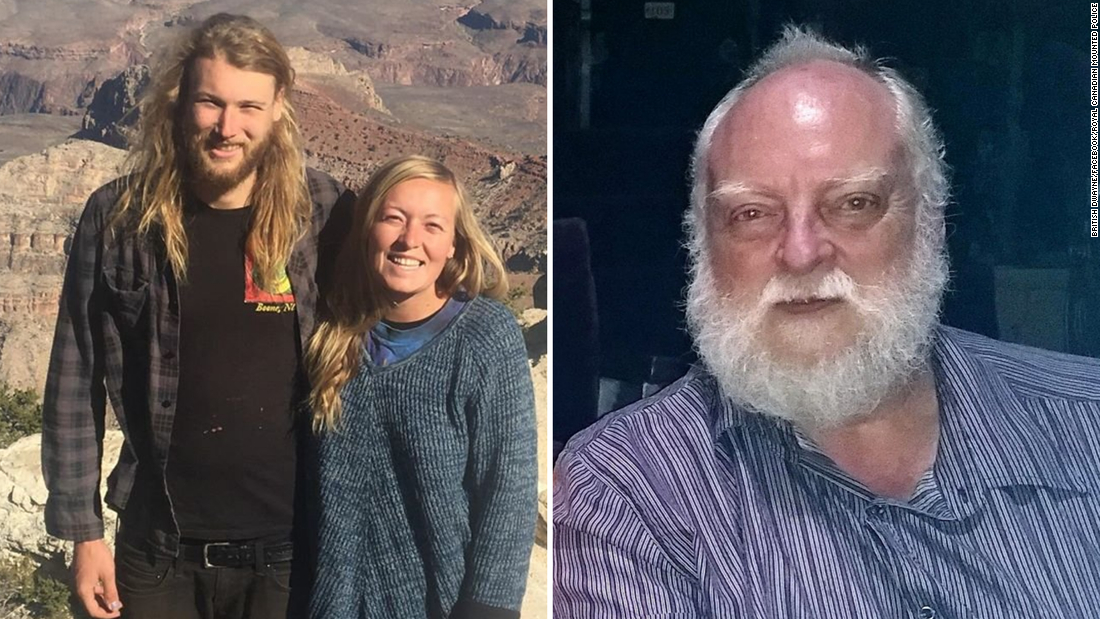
{"points": [[153, 196], [357, 300]]}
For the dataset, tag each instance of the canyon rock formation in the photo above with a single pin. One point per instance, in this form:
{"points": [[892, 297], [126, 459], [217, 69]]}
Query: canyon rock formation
{"points": [[465, 83], [54, 54]]}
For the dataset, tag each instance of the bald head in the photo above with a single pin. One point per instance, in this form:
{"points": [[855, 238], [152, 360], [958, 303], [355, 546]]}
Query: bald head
{"points": [[810, 78], [815, 114]]}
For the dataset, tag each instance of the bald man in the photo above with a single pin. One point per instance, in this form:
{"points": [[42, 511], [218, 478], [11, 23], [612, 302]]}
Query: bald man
{"points": [[838, 452]]}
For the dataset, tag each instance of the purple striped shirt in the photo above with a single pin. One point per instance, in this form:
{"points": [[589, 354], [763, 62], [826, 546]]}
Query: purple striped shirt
{"points": [[683, 505]]}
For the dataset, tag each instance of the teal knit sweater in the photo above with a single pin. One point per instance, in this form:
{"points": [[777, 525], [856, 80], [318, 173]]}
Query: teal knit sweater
{"points": [[428, 486]]}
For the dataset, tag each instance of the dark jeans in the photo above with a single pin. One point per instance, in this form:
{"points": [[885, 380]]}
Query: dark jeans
{"points": [[153, 586]]}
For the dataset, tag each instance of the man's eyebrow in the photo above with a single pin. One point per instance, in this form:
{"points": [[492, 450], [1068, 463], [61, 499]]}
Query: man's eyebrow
{"points": [[202, 94], [870, 175], [727, 188]]}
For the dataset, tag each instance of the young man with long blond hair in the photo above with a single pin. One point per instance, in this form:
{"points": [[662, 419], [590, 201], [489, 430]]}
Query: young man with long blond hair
{"points": [[188, 298]]}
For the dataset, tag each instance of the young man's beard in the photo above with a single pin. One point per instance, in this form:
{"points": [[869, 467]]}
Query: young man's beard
{"points": [[814, 389], [215, 179]]}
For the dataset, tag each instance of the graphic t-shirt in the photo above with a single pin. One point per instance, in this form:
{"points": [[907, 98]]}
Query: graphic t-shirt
{"points": [[231, 465]]}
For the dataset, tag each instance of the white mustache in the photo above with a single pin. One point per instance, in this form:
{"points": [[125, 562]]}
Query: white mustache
{"points": [[835, 285]]}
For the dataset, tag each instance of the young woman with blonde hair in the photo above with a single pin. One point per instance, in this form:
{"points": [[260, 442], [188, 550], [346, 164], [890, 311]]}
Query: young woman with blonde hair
{"points": [[423, 400]]}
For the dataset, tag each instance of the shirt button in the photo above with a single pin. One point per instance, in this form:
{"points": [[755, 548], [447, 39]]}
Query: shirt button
{"points": [[169, 355], [876, 511], [166, 403], [927, 612]]}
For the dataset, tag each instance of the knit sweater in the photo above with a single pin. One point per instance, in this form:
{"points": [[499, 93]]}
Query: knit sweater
{"points": [[428, 485]]}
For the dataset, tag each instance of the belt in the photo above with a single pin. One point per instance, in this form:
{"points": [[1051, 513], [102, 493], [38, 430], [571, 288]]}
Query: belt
{"points": [[236, 554]]}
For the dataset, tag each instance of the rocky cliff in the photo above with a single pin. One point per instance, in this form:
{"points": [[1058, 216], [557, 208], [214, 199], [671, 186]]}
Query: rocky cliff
{"points": [[509, 189], [23, 499], [59, 79], [321, 72], [113, 109], [40, 198], [55, 54]]}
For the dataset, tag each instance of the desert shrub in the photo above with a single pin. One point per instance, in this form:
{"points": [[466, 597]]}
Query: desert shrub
{"points": [[20, 414], [25, 591]]}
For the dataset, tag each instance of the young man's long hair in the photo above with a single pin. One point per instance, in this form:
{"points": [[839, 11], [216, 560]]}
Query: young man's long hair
{"points": [[154, 195], [358, 300]]}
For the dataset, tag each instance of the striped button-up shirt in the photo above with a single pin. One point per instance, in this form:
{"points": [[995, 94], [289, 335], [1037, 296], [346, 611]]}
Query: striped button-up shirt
{"points": [[684, 505]]}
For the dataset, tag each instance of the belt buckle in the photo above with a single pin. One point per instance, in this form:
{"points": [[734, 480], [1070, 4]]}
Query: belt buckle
{"points": [[206, 553]]}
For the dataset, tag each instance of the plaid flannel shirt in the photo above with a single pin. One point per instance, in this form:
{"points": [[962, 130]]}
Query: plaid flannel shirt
{"points": [[117, 335]]}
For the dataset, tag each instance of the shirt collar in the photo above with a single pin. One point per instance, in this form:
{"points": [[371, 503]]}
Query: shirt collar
{"points": [[725, 415]]}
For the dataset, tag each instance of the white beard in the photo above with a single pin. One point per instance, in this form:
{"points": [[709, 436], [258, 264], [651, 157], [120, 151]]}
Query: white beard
{"points": [[812, 388]]}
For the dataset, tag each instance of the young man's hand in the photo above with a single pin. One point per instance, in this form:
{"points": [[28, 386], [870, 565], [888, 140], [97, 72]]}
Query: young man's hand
{"points": [[94, 579]]}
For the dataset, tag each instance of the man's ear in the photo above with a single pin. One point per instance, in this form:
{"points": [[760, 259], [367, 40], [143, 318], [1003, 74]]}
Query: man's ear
{"points": [[278, 107]]}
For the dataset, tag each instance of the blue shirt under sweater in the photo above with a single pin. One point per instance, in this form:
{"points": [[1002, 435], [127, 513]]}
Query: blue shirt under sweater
{"points": [[428, 486], [387, 344]]}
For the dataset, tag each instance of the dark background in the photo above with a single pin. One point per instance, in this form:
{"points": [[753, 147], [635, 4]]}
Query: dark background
{"points": [[1009, 86]]}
